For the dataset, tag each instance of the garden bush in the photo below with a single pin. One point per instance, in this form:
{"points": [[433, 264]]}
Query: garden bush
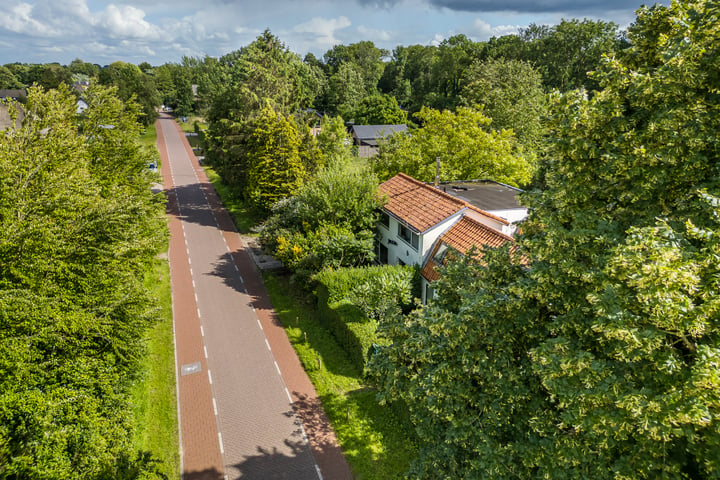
{"points": [[353, 301]]}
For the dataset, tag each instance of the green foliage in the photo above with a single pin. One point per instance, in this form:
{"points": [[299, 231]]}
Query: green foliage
{"points": [[9, 80], [467, 147], [174, 86], [329, 222], [353, 301], [74, 241], [566, 52], [275, 169], [377, 441], [78, 67], [345, 91], [591, 350], [365, 56], [379, 110], [510, 93], [334, 142], [133, 85]]}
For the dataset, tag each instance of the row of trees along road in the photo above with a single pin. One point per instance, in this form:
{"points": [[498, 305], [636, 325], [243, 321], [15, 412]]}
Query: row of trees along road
{"points": [[78, 226], [591, 349]]}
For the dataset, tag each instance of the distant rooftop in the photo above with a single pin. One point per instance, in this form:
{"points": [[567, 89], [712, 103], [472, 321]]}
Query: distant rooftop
{"points": [[484, 194]]}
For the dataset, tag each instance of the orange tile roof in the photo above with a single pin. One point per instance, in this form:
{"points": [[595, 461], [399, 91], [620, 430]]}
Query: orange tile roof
{"points": [[462, 236], [420, 205]]}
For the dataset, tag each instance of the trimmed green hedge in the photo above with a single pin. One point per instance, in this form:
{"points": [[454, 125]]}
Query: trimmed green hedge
{"points": [[352, 301]]}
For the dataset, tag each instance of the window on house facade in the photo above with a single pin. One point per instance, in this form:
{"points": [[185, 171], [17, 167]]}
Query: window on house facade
{"points": [[382, 253], [429, 293], [409, 236], [385, 219]]}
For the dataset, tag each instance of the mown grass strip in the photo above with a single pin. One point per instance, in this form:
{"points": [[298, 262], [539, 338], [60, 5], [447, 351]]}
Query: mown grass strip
{"points": [[378, 441], [154, 394]]}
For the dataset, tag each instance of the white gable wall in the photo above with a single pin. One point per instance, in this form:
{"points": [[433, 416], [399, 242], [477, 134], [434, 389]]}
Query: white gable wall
{"points": [[400, 250]]}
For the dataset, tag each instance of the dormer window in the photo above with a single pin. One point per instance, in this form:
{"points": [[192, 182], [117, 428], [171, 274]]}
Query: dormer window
{"points": [[440, 255]]}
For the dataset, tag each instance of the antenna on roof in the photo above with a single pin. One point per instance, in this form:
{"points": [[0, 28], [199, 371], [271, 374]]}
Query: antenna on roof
{"points": [[437, 172]]}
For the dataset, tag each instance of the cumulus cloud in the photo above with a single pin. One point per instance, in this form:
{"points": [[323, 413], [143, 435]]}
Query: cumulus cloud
{"points": [[127, 22], [482, 30], [374, 34], [323, 30], [19, 19]]}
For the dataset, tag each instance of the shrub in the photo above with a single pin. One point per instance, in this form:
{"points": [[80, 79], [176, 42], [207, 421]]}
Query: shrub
{"points": [[353, 301]]}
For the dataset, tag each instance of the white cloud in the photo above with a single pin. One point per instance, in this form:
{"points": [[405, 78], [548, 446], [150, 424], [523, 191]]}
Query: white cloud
{"points": [[19, 19], [127, 22], [374, 34], [323, 30], [482, 31]]}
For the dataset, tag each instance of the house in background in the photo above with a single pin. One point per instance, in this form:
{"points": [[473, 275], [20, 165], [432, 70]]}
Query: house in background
{"points": [[366, 137], [15, 98], [419, 223]]}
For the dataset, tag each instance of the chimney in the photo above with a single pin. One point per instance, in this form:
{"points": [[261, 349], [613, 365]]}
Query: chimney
{"points": [[437, 172]]}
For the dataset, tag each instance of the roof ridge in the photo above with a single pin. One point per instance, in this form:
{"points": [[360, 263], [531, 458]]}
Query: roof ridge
{"points": [[433, 189], [453, 198]]}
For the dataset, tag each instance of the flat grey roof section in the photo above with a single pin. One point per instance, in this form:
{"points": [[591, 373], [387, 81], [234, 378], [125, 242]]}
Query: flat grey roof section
{"points": [[484, 194]]}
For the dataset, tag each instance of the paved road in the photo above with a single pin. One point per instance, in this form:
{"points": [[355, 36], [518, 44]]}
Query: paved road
{"points": [[236, 413]]}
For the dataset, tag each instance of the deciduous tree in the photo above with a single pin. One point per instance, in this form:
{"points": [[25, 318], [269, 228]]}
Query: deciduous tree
{"points": [[463, 141]]}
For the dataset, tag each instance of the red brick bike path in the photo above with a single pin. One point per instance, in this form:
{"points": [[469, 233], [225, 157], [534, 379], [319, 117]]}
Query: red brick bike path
{"points": [[201, 453]]}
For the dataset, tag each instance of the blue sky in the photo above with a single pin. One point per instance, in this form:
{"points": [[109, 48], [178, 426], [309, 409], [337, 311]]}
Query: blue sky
{"points": [[160, 31]]}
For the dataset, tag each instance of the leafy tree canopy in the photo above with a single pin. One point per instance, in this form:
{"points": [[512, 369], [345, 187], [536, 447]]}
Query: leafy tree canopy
{"points": [[511, 94], [379, 109], [591, 350], [467, 148], [77, 224]]}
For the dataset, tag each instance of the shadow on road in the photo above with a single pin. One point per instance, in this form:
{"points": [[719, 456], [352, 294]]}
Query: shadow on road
{"points": [[272, 464]]}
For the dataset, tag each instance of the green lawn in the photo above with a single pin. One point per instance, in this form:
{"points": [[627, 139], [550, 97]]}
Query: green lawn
{"points": [[378, 441], [154, 394], [149, 137]]}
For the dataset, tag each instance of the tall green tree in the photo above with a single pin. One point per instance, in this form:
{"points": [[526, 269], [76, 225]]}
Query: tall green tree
{"points": [[590, 350], [464, 143], [8, 79], [345, 91], [275, 168], [379, 110], [133, 85], [511, 94], [75, 232], [334, 142], [566, 52]]}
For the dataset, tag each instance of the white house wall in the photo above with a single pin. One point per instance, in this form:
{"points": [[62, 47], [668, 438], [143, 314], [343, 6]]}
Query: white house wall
{"points": [[403, 251]]}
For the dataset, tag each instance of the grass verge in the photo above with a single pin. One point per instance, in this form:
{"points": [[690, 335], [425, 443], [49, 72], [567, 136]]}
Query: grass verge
{"points": [[241, 214], [149, 138], [378, 441], [154, 394]]}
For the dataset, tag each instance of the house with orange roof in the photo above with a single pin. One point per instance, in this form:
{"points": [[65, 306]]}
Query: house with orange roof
{"points": [[420, 223]]}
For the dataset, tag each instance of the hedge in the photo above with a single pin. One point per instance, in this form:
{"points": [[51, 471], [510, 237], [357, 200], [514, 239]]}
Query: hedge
{"points": [[348, 297]]}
